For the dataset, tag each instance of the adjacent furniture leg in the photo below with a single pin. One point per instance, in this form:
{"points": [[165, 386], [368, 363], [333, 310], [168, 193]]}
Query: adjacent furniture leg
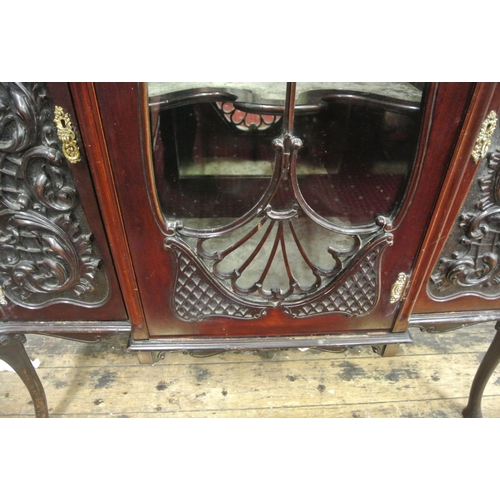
{"points": [[13, 353], [145, 357], [484, 372], [386, 350]]}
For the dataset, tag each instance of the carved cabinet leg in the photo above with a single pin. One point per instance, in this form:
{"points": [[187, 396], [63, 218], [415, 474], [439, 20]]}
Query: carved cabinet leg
{"points": [[484, 372], [13, 353]]}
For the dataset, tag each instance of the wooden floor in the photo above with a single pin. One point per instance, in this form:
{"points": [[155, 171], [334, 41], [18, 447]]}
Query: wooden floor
{"points": [[429, 378]]}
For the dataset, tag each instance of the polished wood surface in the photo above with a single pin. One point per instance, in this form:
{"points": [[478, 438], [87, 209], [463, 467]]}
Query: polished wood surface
{"points": [[130, 157], [455, 188], [93, 136], [116, 187], [113, 309]]}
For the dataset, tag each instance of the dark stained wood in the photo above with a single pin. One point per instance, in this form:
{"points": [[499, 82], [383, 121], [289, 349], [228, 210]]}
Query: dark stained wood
{"points": [[130, 157], [455, 188], [13, 353], [120, 103], [88, 116], [141, 256], [484, 372], [113, 308]]}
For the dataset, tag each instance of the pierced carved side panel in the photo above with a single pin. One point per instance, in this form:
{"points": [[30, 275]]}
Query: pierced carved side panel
{"points": [[47, 255], [470, 262]]}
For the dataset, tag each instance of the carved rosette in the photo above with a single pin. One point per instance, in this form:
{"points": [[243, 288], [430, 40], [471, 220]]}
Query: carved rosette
{"points": [[46, 251], [470, 262]]}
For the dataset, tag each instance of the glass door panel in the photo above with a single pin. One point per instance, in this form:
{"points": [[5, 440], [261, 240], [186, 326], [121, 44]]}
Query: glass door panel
{"points": [[212, 147], [359, 146], [273, 195]]}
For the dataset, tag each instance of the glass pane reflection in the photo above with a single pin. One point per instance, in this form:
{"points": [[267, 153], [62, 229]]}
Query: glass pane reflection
{"points": [[364, 141], [212, 161], [213, 154]]}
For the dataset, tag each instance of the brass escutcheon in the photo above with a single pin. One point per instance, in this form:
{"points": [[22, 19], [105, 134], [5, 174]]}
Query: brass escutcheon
{"points": [[66, 135], [483, 140]]}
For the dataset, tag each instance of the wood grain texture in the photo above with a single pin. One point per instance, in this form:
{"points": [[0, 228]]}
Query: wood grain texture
{"points": [[427, 379], [102, 176]]}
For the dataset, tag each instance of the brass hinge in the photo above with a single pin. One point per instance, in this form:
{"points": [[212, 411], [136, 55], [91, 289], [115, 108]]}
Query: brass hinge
{"points": [[66, 135], [483, 140], [399, 287]]}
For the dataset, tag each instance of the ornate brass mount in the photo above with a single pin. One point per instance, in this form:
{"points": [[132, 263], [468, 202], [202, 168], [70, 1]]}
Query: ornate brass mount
{"points": [[483, 140], [66, 135], [399, 287]]}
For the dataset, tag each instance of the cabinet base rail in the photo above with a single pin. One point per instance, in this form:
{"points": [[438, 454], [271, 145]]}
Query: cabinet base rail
{"points": [[278, 342]]}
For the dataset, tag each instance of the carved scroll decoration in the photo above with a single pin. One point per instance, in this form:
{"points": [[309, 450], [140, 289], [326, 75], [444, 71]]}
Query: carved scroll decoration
{"points": [[470, 262], [46, 251]]}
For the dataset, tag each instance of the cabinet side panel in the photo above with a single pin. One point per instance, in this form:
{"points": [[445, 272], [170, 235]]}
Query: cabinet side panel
{"points": [[55, 263], [451, 261]]}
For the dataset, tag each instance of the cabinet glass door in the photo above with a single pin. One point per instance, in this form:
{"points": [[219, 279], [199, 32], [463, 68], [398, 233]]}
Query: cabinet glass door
{"points": [[280, 197]]}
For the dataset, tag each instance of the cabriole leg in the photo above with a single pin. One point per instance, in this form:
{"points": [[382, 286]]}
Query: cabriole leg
{"points": [[13, 353], [484, 372]]}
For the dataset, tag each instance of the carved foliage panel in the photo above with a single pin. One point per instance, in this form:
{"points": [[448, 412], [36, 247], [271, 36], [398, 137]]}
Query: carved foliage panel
{"points": [[47, 254], [470, 261]]}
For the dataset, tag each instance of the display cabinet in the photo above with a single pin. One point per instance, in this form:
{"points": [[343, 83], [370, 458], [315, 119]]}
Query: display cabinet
{"points": [[217, 216]]}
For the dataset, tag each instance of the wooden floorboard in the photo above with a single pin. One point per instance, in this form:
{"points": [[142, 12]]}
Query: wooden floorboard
{"points": [[429, 378]]}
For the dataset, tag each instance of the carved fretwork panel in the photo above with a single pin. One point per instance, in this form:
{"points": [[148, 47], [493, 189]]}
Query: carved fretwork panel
{"points": [[47, 255], [198, 295], [253, 234], [355, 294], [470, 262]]}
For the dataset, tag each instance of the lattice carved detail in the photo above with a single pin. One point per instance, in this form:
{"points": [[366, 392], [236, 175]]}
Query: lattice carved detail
{"points": [[197, 297], [279, 254], [355, 294], [46, 251]]}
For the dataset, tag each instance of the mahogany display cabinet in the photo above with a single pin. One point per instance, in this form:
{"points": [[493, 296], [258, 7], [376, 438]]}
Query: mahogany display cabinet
{"points": [[220, 216]]}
